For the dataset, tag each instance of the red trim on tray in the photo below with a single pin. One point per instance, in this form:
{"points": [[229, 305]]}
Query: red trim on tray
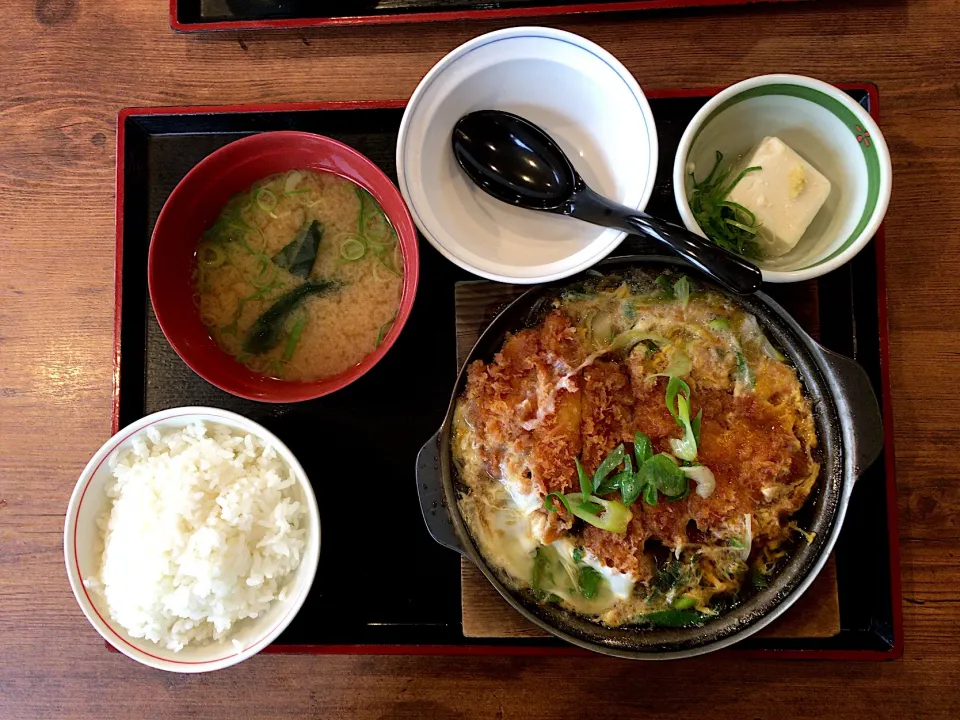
{"points": [[896, 582], [894, 653], [76, 562], [265, 107], [118, 271], [441, 15], [551, 651]]}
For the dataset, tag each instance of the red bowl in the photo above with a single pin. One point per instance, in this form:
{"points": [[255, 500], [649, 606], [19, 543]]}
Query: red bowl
{"points": [[194, 205]]}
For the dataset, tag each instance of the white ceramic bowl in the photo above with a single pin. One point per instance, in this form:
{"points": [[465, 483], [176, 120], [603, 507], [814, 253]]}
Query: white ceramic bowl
{"points": [[81, 547], [828, 129], [572, 88]]}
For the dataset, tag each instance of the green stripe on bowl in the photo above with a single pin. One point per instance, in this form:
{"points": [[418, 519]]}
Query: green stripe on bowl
{"points": [[848, 118]]}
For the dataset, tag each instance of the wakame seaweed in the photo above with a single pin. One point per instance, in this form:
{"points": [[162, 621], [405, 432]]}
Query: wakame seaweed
{"points": [[267, 331], [299, 255]]}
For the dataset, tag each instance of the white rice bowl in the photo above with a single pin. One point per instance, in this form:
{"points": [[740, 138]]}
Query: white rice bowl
{"points": [[191, 543]]}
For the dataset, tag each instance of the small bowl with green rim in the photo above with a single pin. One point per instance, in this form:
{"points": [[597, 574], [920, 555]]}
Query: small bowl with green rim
{"points": [[824, 126]]}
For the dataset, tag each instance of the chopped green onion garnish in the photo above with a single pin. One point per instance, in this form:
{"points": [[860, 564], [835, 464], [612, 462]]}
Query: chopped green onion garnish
{"points": [[682, 290], [685, 448], [745, 375], [294, 337], [588, 580], [642, 448], [695, 426], [542, 572], [548, 502], [210, 256], [352, 249], [384, 329], [375, 226], [684, 602], [674, 387], [586, 484], [650, 494], [266, 201], [379, 256], [661, 473], [680, 365], [612, 515], [728, 224], [291, 181], [630, 487], [609, 464], [665, 286], [741, 226]]}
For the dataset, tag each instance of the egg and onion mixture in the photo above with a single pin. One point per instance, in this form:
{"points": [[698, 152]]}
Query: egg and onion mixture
{"points": [[638, 455]]}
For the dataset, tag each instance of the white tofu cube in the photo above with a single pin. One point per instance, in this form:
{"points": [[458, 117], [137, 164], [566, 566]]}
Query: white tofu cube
{"points": [[785, 194]]}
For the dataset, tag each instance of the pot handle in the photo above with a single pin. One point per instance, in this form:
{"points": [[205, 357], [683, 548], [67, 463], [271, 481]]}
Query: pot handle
{"points": [[861, 401], [432, 500]]}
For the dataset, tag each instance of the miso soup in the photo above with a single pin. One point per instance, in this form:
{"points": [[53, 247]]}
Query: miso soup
{"points": [[300, 277]]}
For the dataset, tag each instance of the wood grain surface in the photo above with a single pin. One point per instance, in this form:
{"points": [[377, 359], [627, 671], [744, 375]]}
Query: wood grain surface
{"points": [[485, 614], [68, 66]]}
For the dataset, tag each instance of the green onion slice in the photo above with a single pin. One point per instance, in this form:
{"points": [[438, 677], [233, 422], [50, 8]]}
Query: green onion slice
{"points": [[374, 226], [548, 502], [291, 181], [680, 365], [663, 474], [586, 484], [210, 256], [588, 581], [266, 201], [684, 602], [685, 448], [650, 494], [675, 387], [384, 329], [695, 426], [612, 516], [741, 226], [642, 448], [745, 374], [681, 289], [352, 249], [609, 464], [387, 265], [630, 487], [294, 337]]}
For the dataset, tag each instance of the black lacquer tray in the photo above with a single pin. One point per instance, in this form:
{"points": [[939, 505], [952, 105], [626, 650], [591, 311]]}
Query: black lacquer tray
{"points": [[383, 585]]}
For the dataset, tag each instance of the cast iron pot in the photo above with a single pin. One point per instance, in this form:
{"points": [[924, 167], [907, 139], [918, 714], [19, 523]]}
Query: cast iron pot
{"points": [[848, 424]]}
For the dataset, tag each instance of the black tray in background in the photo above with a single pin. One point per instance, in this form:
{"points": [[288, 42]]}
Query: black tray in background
{"points": [[381, 579], [208, 15]]}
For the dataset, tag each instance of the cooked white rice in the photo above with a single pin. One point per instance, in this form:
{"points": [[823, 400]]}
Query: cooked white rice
{"points": [[204, 531]]}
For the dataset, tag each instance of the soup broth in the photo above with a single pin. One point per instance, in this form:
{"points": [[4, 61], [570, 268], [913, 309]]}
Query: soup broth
{"points": [[300, 277]]}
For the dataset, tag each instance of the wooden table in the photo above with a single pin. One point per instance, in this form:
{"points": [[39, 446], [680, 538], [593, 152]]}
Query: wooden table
{"points": [[68, 66]]}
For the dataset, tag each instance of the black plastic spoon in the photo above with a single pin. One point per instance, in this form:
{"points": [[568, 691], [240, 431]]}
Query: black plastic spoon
{"points": [[517, 162]]}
